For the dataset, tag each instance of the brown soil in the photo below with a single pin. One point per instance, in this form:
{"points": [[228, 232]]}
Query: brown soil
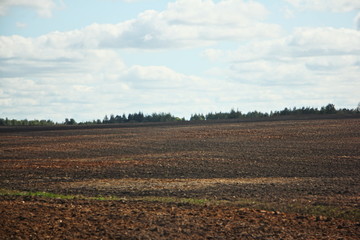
{"points": [[30, 218], [276, 165]]}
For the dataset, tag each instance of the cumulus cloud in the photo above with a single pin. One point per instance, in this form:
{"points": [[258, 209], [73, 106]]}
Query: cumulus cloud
{"points": [[185, 23], [303, 42], [43, 8], [317, 63], [326, 5], [49, 82], [56, 83], [325, 41]]}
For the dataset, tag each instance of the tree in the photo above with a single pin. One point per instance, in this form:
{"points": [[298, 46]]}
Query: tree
{"points": [[112, 119], [139, 117], [197, 117], [286, 111], [330, 109], [131, 117], [70, 122], [120, 119], [235, 114], [106, 119]]}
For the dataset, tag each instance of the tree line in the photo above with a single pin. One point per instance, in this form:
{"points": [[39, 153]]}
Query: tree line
{"points": [[236, 114], [167, 117], [139, 117], [25, 122]]}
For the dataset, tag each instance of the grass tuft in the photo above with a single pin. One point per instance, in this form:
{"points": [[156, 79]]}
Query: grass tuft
{"points": [[36, 194], [315, 210]]}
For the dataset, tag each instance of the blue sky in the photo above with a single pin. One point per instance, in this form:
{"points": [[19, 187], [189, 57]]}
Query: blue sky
{"points": [[84, 59]]}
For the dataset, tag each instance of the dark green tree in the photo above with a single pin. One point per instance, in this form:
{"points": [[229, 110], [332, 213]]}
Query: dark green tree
{"points": [[70, 121], [106, 119], [328, 109], [197, 117]]}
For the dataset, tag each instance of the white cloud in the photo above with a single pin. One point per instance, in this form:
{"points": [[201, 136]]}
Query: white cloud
{"points": [[185, 23], [314, 64], [55, 83], [311, 66], [325, 41], [59, 84], [303, 42], [326, 5], [43, 8], [87, 84], [205, 12], [357, 21]]}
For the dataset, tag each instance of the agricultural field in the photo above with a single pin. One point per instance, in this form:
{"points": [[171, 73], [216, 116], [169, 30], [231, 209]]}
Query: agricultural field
{"points": [[295, 179]]}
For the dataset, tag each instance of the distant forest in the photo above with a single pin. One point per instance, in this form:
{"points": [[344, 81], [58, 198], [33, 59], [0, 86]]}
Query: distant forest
{"points": [[167, 117]]}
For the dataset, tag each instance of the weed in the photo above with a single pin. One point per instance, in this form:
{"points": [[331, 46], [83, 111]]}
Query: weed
{"points": [[36, 194]]}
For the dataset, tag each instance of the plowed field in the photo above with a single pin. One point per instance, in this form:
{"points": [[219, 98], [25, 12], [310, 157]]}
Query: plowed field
{"points": [[246, 180]]}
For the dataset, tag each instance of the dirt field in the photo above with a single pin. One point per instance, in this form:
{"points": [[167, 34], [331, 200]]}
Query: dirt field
{"points": [[246, 180]]}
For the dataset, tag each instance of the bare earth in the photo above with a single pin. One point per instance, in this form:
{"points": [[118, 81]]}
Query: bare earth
{"points": [[246, 180]]}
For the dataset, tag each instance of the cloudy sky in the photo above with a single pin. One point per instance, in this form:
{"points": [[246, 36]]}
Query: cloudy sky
{"points": [[83, 59]]}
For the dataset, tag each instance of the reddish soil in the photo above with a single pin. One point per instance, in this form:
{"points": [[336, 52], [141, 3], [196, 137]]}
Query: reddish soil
{"points": [[279, 165]]}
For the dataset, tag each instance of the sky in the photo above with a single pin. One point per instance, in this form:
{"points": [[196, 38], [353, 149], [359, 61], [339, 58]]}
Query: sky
{"points": [[85, 59]]}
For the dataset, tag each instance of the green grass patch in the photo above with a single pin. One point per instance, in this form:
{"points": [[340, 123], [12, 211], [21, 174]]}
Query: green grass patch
{"points": [[6, 192], [126, 159], [322, 210], [315, 210], [36, 194]]}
